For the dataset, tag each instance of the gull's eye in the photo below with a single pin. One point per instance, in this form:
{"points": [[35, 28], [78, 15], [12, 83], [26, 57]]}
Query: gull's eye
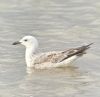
{"points": [[25, 40]]}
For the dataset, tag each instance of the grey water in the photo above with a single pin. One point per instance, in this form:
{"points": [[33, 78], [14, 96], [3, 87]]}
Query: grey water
{"points": [[58, 25]]}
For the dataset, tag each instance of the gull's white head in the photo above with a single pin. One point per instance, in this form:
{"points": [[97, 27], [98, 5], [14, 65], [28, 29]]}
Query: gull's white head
{"points": [[28, 42], [31, 45]]}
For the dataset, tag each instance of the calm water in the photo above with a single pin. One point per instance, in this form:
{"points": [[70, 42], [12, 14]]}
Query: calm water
{"points": [[57, 24]]}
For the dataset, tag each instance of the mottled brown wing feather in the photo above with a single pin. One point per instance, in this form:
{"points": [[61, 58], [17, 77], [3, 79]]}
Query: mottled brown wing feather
{"points": [[55, 57]]}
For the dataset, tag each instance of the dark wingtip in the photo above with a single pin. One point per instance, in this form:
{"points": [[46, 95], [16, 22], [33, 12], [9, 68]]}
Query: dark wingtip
{"points": [[90, 44]]}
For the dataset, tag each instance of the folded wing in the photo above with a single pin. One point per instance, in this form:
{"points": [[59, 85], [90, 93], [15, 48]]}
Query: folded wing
{"points": [[56, 57]]}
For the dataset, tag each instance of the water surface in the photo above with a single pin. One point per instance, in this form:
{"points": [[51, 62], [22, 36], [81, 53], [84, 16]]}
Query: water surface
{"points": [[57, 24]]}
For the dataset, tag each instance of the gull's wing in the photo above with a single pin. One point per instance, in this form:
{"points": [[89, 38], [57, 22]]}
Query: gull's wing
{"points": [[56, 57], [77, 51], [52, 57]]}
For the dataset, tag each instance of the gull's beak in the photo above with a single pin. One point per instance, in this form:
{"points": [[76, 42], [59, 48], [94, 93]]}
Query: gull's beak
{"points": [[17, 42]]}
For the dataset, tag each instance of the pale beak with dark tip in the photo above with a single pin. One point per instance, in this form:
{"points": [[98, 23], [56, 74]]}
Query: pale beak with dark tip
{"points": [[16, 43]]}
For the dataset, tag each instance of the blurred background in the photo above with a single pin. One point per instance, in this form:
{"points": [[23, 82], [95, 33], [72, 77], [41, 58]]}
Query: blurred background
{"points": [[57, 24]]}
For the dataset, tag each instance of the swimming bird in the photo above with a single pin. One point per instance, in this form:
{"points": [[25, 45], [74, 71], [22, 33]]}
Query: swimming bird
{"points": [[49, 59]]}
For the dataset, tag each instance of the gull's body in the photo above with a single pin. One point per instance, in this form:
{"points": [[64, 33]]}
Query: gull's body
{"points": [[49, 59]]}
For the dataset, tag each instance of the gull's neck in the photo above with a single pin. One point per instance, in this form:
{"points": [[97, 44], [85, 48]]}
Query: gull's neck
{"points": [[29, 55]]}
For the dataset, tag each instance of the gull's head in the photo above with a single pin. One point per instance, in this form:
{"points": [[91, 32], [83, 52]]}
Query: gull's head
{"points": [[28, 42]]}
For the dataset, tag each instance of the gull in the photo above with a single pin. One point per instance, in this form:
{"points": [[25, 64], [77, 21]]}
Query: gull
{"points": [[49, 59]]}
